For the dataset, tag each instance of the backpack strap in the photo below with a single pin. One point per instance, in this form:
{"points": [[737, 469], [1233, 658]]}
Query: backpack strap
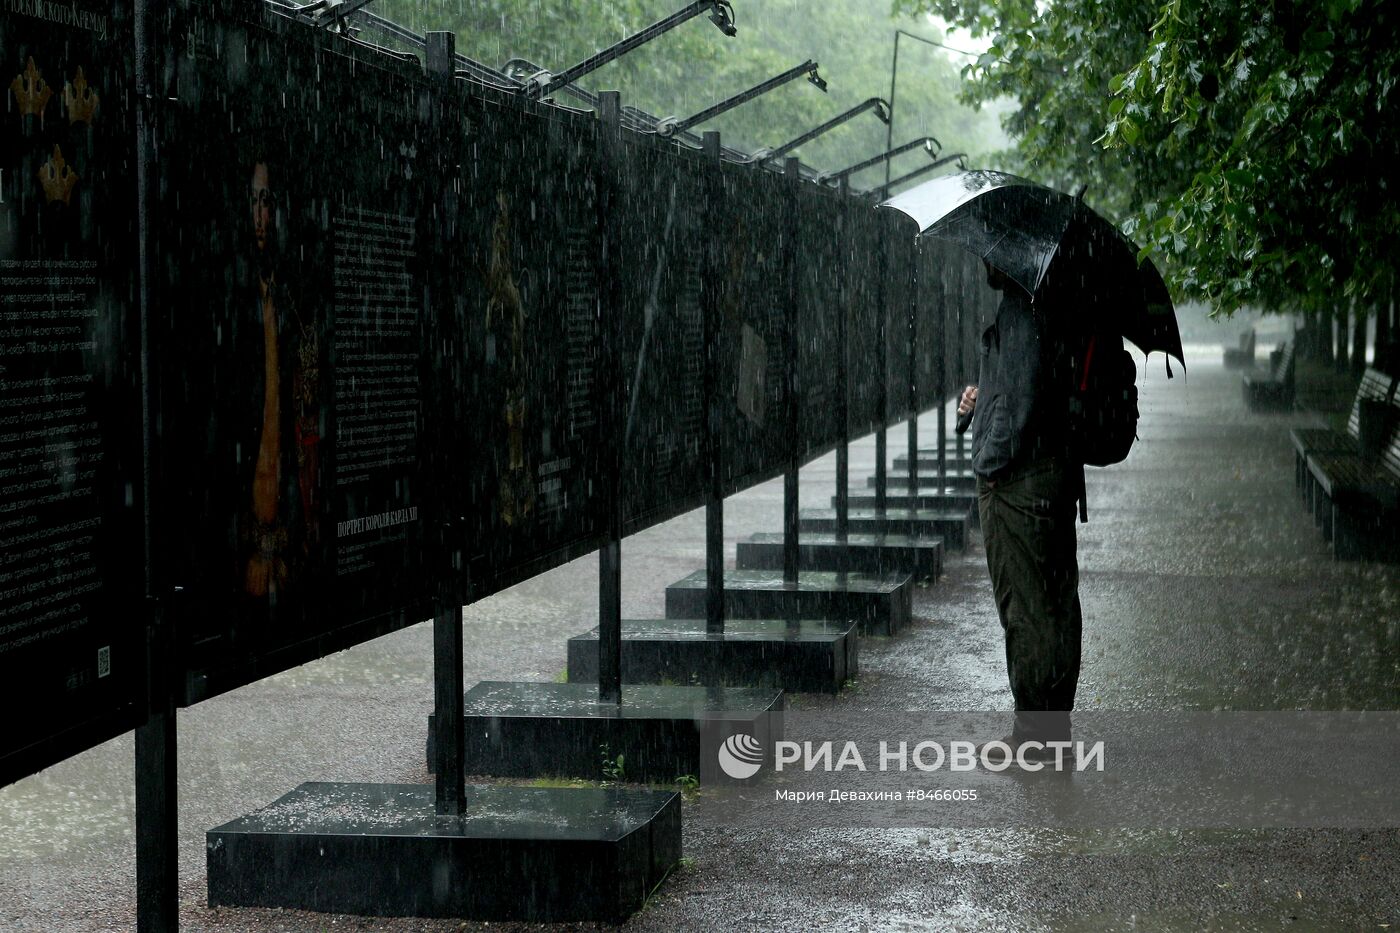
{"points": [[1088, 361]]}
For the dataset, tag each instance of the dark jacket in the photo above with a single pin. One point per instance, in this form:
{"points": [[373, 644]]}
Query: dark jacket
{"points": [[1018, 419]]}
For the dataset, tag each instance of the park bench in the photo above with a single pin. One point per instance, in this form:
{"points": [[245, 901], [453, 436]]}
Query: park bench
{"points": [[1241, 357], [1358, 497], [1375, 386], [1274, 391]]}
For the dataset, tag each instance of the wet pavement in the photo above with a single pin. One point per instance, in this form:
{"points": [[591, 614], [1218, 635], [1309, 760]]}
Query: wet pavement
{"points": [[1205, 586]]}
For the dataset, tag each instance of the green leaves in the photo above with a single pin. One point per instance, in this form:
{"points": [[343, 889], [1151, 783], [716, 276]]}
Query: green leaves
{"points": [[1244, 144], [1238, 177]]}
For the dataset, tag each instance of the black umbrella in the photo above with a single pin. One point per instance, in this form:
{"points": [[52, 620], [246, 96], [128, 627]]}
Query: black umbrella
{"points": [[1053, 246]]}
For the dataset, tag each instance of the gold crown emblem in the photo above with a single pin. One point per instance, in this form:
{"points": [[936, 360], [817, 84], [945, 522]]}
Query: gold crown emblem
{"points": [[57, 178], [31, 91], [80, 100]]}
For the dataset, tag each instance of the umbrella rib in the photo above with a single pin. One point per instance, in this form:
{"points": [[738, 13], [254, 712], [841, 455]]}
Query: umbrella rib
{"points": [[996, 244]]}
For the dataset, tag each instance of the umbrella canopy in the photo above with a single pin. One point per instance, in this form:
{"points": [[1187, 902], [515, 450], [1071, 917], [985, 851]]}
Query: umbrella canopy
{"points": [[1053, 246]]}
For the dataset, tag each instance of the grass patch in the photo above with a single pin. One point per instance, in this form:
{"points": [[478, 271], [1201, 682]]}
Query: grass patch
{"points": [[558, 782]]}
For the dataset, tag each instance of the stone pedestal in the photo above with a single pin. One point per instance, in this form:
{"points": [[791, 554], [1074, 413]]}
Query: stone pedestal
{"points": [[521, 729], [858, 553], [880, 605], [928, 498], [805, 656], [534, 855], [949, 525], [959, 478]]}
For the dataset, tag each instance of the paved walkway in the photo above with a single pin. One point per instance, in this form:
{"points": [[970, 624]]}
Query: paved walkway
{"points": [[1204, 586]]}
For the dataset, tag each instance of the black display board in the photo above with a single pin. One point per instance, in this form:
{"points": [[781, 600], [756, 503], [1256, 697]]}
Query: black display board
{"points": [[900, 291], [71, 539], [867, 271], [939, 266], [377, 341], [820, 260], [70, 471], [295, 172], [663, 355], [526, 262], [755, 219]]}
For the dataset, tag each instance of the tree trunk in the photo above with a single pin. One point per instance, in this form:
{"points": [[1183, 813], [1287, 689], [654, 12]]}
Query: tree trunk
{"points": [[1324, 338], [1358, 340], [1340, 357], [1393, 356], [1382, 351]]}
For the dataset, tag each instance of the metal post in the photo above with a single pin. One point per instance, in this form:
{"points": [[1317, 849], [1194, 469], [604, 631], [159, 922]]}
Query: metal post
{"points": [[882, 403], [894, 71], [610, 385], [889, 126], [966, 327], [439, 52], [710, 284], [843, 444], [952, 305], [913, 470], [157, 813], [791, 384], [449, 685]]}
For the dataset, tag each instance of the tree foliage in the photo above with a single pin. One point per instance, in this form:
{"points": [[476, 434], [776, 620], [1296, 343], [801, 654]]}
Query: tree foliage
{"points": [[1247, 143], [695, 66]]}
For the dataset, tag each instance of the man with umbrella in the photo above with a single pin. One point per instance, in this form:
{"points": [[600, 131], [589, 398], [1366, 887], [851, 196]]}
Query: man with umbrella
{"points": [[1027, 488], [1068, 279]]}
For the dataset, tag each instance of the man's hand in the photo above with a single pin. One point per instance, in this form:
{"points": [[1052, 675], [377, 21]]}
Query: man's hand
{"points": [[968, 401]]}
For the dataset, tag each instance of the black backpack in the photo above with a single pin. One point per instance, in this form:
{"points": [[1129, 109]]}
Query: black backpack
{"points": [[1103, 411]]}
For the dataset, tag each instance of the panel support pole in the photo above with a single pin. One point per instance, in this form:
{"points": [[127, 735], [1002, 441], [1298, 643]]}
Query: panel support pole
{"points": [[792, 384], [610, 387], [714, 465]]}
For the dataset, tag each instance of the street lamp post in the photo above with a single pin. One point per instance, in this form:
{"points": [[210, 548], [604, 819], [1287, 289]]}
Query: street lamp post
{"points": [[894, 72]]}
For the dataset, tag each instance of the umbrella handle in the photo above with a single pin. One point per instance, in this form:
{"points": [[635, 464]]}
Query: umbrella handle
{"points": [[964, 421]]}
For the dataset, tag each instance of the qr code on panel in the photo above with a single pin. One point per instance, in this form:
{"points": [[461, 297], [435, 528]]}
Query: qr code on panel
{"points": [[104, 660]]}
